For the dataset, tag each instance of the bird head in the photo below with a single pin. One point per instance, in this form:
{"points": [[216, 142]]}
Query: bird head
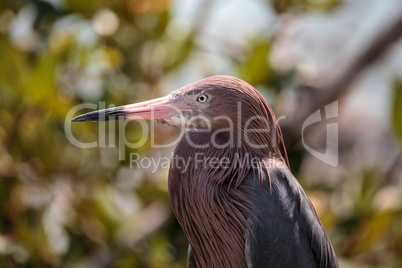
{"points": [[222, 105]]}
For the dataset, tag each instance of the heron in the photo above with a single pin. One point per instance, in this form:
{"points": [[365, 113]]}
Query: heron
{"points": [[229, 183]]}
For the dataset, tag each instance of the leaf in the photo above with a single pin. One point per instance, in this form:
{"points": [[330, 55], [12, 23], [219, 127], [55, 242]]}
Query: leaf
{"points": [[256, 68], [281, 6], [396, 119]]}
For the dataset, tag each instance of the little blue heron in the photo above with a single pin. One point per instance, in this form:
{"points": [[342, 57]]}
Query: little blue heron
{"points": [[229, 182]]}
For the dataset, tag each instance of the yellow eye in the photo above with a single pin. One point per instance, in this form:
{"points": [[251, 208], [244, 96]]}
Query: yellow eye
{"points": [[203, 98]]}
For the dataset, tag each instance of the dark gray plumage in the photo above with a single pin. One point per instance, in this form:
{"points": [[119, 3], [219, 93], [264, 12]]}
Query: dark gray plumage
{"points": [[287, 231]]}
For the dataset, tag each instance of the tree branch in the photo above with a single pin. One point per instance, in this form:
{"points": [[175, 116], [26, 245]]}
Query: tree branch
{"points": [[325, 90]]}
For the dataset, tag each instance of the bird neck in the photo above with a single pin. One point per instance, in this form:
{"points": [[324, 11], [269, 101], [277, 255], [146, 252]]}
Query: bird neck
{"points": [[209, 200]]}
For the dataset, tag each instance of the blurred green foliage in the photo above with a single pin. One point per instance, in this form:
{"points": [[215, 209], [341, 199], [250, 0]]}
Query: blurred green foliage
{"points": [[305, 5], [397, 110], [64, 206]]}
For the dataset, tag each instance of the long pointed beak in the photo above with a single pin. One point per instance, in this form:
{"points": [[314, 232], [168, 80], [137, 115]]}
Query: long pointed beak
{"points": [[160, 108]]}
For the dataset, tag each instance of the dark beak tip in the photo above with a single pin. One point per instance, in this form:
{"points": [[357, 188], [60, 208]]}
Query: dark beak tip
{"points": [[78, 119], [116, 113], [85, 118]]}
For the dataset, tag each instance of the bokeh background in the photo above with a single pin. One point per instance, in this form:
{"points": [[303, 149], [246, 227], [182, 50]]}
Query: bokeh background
{"points": [[65, 206]]}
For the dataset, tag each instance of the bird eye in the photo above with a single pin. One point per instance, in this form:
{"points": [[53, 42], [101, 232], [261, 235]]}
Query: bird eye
{"points": [[202, 98]]}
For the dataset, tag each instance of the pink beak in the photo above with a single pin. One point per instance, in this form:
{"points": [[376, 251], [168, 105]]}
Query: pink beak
{"points": [[160, 108]]}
